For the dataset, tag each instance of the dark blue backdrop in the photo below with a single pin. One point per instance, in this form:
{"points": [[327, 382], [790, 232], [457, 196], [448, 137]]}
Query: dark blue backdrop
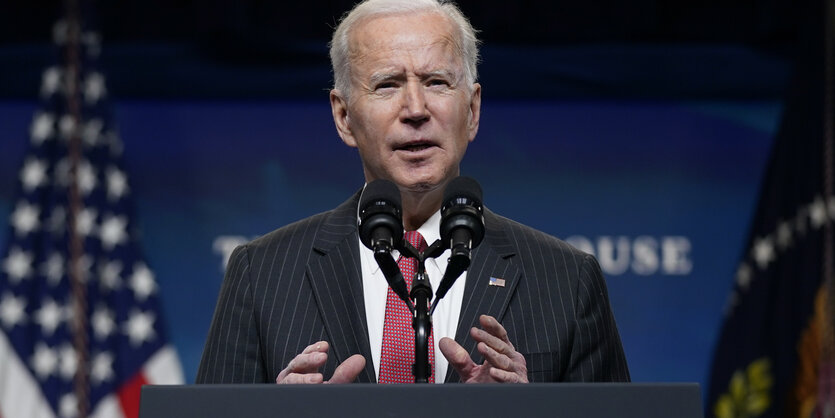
{"points": [[661, 191]]}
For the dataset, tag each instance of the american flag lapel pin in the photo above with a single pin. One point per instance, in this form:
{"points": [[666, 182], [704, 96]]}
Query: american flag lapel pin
{"points": [[496, 281]]}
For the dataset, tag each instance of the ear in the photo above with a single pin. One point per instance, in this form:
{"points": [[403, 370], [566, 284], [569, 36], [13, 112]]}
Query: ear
{"points": [[339, 110], [475, 111]]}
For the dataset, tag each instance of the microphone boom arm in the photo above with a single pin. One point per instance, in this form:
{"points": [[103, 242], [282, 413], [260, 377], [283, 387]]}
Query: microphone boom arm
{"points": [[393, 276]]}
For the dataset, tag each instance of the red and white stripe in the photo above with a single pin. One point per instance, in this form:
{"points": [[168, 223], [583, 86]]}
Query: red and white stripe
{"points": [[21, 396]]}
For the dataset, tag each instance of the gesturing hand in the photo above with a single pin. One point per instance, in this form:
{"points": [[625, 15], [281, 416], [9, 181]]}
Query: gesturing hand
{"points": [[304, 368], [502, 363]]}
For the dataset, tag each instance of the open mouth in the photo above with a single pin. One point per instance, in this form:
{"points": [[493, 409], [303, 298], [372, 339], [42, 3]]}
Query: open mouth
{"points": [[415, 146]]}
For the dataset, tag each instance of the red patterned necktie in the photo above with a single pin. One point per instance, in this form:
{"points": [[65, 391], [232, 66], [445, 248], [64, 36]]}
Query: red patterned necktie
{"points": [[398, 352]]}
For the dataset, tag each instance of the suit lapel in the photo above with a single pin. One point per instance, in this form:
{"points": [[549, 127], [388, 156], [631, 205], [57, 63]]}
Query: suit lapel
{"points": [[335, 276], [493, 258]]}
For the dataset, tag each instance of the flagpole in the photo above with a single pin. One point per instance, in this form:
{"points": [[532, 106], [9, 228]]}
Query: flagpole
{"points": [[76, 242]]}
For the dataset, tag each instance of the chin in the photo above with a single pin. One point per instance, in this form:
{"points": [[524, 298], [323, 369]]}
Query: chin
{"points": [[421, 180], [419, 184], [422, 187]]}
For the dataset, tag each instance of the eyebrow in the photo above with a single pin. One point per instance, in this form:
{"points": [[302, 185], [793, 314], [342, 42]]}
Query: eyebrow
{"points": [[396, 75], [380, 77], [440, 73]]}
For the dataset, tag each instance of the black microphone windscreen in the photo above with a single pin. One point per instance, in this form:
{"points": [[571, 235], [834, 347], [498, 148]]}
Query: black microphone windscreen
{"points": [[378, 190], [463, 187]]}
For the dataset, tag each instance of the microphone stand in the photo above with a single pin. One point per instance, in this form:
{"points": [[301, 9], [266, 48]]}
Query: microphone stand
{"points": [[422, 294]]}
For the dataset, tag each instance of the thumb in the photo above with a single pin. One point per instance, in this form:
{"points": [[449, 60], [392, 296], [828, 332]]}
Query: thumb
{"points": [[348, 371], [457, 356]]}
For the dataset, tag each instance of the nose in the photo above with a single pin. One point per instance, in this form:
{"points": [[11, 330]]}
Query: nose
{"points": [[414, 110]]}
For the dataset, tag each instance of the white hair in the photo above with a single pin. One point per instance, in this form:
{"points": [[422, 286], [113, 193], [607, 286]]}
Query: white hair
{"points": [[466, 42]]}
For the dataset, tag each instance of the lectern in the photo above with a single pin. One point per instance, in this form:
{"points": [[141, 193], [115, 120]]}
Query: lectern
{"points": [[561, 400]]}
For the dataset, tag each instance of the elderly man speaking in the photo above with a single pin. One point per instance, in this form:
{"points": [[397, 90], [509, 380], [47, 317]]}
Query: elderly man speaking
{"points": [[307, 303]]}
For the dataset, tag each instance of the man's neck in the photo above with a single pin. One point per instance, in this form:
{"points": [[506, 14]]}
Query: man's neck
{"points": [[418, 207]]}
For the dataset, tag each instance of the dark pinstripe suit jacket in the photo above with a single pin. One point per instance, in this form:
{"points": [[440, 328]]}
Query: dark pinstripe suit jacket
{"points": [[302, 283]]}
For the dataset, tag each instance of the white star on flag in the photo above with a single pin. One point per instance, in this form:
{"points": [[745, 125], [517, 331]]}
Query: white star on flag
{"points": [[49, 316], [763, 252], [68, 406], [102, 368], [33, 174], [92, 42], [817, 213], [43, 127], [18, 265], [50, 81], [142, 282], [743, 276], [85, 222], [117, 184], [113, 232], [86, 178], [25, 218], [103, 322], [94, 88], [59, 32], [68, 362], [12, 310], [44, 361], [140, 327], [784, 235], [53, 268], [66, 126], [109, 274], [91, 132]]}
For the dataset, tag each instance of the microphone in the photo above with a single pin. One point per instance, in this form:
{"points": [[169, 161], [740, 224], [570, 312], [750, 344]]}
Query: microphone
{"points": [[381, 229], [380, 224], [462, 228]]}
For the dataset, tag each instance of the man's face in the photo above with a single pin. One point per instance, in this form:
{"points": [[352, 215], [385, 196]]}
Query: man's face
{"points": [[410, 112]]}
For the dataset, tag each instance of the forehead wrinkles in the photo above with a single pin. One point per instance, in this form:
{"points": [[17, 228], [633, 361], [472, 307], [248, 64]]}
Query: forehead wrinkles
{"points": [[369, 43], [435, 57]]}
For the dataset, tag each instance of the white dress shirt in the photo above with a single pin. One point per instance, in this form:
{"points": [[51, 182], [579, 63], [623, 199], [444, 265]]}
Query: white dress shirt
{"points": [[375, 288]]}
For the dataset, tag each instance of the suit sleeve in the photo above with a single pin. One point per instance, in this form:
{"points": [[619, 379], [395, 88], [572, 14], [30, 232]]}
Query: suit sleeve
{"points": [[597, 354], [232, 353]]}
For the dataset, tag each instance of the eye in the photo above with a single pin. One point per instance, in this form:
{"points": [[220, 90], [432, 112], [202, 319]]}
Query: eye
{"points": [[386, 85], [438, 82]]}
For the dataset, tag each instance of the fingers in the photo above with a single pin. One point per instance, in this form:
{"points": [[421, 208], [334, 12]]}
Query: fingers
{"points": [[457, 356], [301, 379], [496, 359], [494, 328], [493, 335], [319, 346], [506, 376], [503, 362], [348, 371], [304, 368]]}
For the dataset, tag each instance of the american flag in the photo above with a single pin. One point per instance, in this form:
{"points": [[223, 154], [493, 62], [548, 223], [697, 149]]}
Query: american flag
{"points": [[80, 322], [775, 355]]}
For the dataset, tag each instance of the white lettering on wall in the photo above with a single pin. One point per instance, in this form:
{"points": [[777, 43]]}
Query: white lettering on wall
{"points": [[676, 255], [643, 255], [613, 254]]}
